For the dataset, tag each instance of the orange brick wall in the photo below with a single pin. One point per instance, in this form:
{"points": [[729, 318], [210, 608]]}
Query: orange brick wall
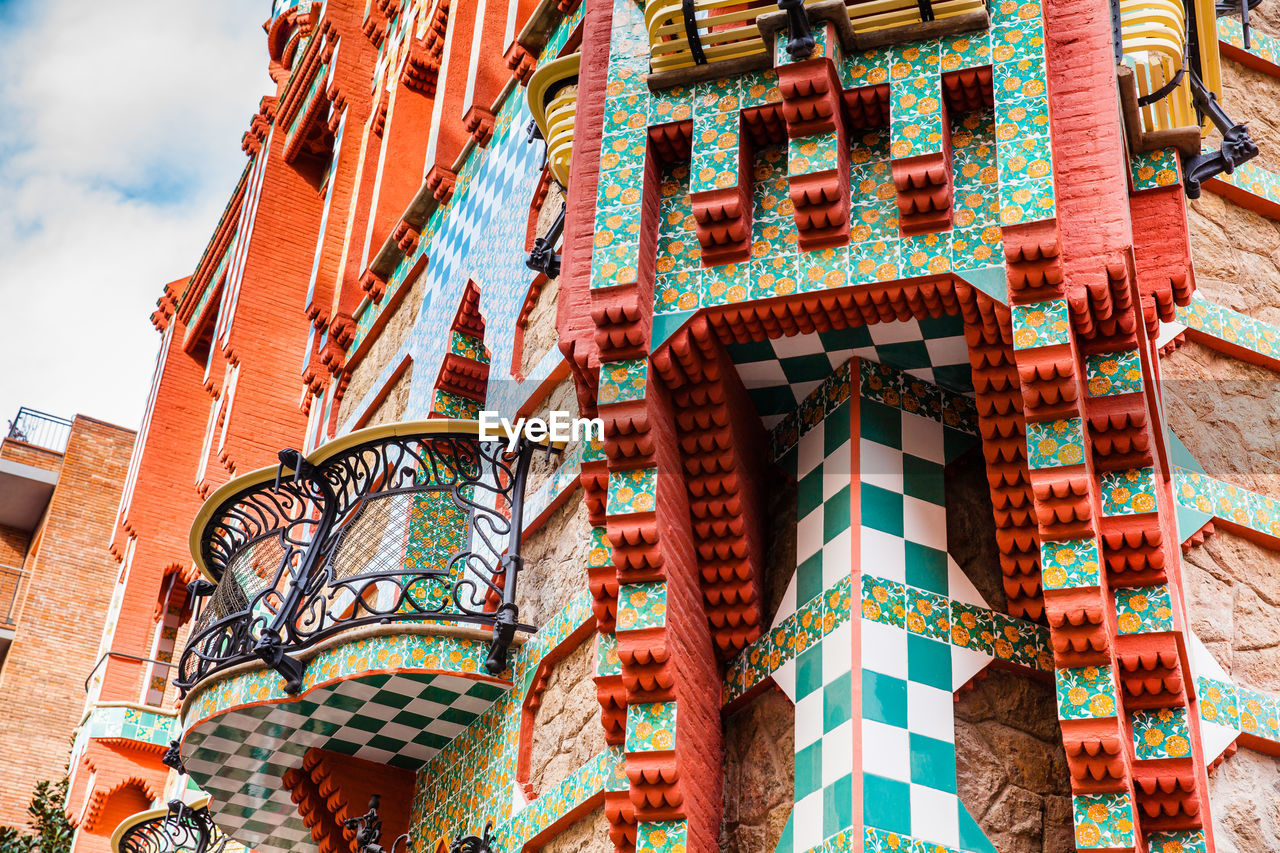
{"points": [[56, 643], [29, 454], [13, 546]]}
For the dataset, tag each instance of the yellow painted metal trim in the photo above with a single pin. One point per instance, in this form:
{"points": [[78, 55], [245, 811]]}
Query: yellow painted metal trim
{"points": [[142, 817], [321, 454], [549, 113]]}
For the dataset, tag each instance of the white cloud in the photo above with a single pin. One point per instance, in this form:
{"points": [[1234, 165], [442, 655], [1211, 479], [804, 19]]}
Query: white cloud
{"points": [[120, 130]]}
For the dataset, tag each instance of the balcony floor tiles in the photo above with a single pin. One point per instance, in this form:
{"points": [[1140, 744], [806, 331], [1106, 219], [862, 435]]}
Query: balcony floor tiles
{"points": [[243, 733]]}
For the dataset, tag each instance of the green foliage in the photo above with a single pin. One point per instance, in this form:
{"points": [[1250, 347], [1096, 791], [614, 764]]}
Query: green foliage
{"points": [[52, 830]]}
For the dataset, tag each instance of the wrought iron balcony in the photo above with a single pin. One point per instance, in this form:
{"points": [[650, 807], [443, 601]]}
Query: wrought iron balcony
{"points": [[40, 429], [401, 523], [180, 828]]}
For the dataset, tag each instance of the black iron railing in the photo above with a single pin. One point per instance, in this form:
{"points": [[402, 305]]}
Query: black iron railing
{"points": [[382, 526], [12, 582], [183, 829], [40, 429]]}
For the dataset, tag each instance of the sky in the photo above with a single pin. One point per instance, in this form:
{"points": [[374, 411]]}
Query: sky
{"points": [[120, 129]]}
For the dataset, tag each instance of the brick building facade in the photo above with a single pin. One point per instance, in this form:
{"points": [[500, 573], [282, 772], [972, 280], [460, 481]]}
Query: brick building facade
{"points": [[927, 342], [56, 582]]}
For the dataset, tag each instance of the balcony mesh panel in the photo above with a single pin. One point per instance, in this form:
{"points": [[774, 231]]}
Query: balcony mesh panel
{"points": [[250, 574], [411, 538]]}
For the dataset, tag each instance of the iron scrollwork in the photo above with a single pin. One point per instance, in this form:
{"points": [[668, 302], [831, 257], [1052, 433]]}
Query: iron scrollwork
{"points": [[397, 528], [183, 828]]}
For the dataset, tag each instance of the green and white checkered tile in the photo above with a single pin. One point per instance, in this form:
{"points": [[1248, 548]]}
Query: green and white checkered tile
{"points": [[906, 678], [779, 373], [239, 757]]}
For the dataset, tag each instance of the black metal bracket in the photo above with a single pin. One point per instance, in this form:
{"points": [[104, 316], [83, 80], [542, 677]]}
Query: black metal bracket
{"points": [[270, 648], [1237, 147], [473, 843], [800, 43], [544, 258], [533, 133], [691, 32], [173, 757], [368, 829]]}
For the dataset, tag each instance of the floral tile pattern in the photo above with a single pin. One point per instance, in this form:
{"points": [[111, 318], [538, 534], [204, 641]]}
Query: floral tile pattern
{"points": [[1218, 702], [1113, 373], [1085, 691], [667, 836], [600, 554], [651, 726], [623, 381], [1069, 563], [1204, 494], [1051, 444], [928, 614], [607, 660], [807, 155], [1263, 45], [468, 346], [1190, 841], [1230, 326], [642, 605], [1129, 492], [1261, 182], [973, 627], [884, 601], [1040, 324], [1143, 609], [1257, 713], [632, 491], [1154, 169], [1161, 733], [883, 841], [813, 620], [1103, 820]]}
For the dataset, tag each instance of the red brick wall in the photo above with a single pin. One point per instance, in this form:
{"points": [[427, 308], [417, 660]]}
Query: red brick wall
{"points": [[56, 643], [163, 502]]}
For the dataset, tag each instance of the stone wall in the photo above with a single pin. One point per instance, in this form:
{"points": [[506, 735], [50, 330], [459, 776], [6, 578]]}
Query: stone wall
{"points": [[759, 774], [1250, 97], [567, 731], [1227, 413], [1236, 255], [1011, 769], [1244, 798], [555, 568], [589, 835], [379, 356], [393, 406], [540, 329]]}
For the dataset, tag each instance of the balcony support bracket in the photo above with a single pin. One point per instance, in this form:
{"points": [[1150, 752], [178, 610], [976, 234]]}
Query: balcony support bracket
{"points": [[800, 41], [270, 648], [1237, 147]]}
